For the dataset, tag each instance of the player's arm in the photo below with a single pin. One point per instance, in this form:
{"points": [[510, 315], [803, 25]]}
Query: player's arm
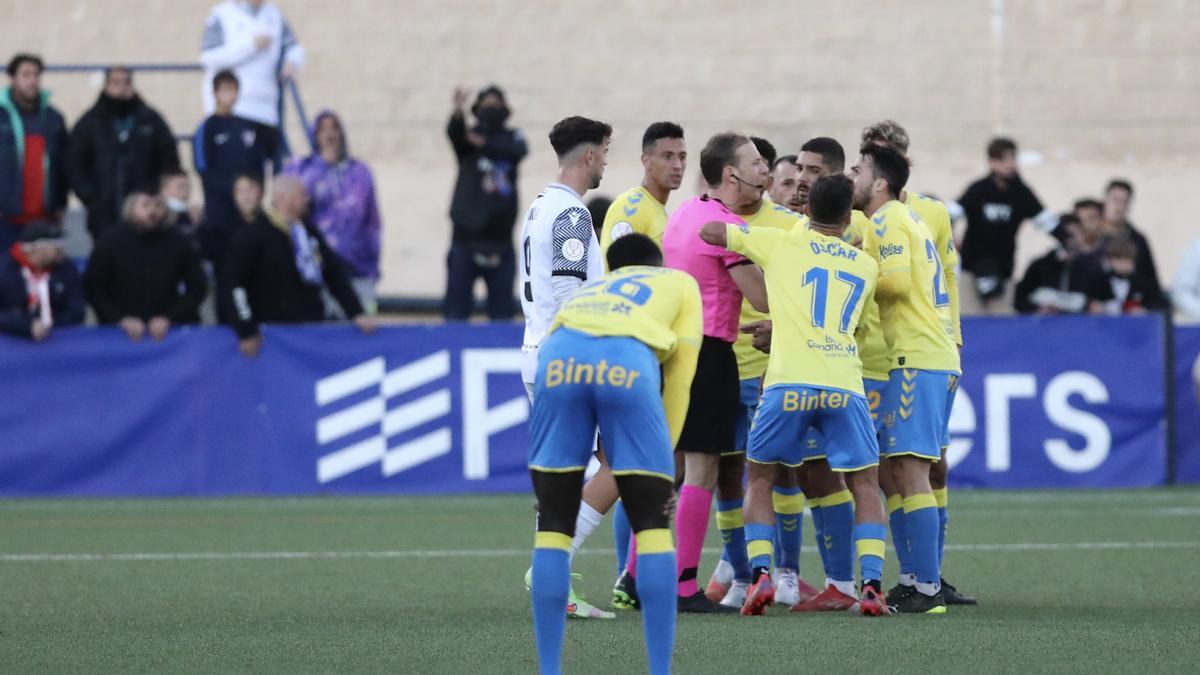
{"points": [[894, 252], [949, 257], [740, 240], [572, 234], [951, 274], [749, 279], [680, 366]]}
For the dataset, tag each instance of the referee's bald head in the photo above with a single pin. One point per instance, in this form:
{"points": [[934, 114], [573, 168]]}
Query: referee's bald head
{"points": [[634, 249]]}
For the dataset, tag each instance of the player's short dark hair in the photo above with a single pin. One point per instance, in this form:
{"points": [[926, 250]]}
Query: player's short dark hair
{"points": [[14, 64], [225, 77], [1000, 146], [890, 165], [634, 249], [833, 156], [786, 159], [718, 153], [765, 149], [831, 198], [1119, 184], [574, 131], [660, 130], [1088, 203]]}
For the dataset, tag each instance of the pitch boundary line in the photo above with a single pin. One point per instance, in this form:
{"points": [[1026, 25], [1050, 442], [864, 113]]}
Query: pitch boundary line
{"points": [[201, 556]]}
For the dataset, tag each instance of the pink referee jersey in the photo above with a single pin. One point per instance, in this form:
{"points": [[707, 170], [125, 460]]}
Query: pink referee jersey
{"points": [[683, 249]]}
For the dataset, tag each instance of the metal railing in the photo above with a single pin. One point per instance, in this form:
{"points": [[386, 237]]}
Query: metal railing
{"points": [[292, 89]]}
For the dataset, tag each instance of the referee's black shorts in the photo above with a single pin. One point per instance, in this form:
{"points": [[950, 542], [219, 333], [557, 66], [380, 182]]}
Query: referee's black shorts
{"points": [[711, 423]]}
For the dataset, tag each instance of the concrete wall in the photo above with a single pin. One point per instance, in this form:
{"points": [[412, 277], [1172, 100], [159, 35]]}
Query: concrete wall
{"points": [[1091, 88]]}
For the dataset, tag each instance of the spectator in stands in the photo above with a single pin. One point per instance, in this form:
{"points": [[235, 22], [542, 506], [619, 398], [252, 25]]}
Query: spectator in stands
{"points": [[277, 267], [226, 146], [1130, 291], [39, 288], [1118, 198], [255, 41], [119, 146], [484, 206], [1065, 280], [33, 151], [175, 187], [143, 274], [1185, 293], [1090, 213], [344, 206], [995, 206], [247, 198]]}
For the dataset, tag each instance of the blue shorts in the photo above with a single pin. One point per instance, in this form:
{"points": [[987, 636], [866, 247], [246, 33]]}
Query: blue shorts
{"points": [[875, 390], [751, 390], [613, 383], [949, 409], [915, 411], [814, 443], [789, 414]]}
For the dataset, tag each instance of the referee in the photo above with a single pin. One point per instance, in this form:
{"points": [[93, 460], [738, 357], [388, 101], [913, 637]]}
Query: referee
{"points": [[736, 175]]}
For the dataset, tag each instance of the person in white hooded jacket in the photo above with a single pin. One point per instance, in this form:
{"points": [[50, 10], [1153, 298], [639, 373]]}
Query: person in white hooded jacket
{"points": [[254, 40]]}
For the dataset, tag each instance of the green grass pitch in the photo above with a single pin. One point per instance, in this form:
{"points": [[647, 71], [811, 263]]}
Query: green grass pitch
{"points": [[1070, 581]]}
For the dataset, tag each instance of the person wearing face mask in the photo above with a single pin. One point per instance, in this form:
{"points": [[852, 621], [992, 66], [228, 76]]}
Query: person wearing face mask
{"points": [[176, 190], [484, 206], [39, 288], [33, 148], [344, 206], [119, 146], [144, 275]]}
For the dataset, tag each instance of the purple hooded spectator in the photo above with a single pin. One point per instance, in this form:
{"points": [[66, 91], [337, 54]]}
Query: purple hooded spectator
{"points": [[343, 207]]}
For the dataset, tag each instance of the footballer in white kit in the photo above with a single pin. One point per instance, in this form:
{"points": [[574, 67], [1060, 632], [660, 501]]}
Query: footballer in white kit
{"points": [[560, 253]]}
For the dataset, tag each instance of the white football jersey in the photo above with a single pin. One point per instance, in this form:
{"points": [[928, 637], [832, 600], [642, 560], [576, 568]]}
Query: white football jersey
{"points": [[557, 239]]}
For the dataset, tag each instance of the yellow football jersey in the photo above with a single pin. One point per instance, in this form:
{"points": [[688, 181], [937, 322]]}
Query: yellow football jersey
{"points": [[935, 216], [914, 306], [751, 362], [659, 307], [635, 210], [817, 285], [872, 347]]}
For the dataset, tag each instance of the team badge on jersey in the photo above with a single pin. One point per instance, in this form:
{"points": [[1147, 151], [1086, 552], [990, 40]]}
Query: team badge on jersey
{"points": [[621, 229]]}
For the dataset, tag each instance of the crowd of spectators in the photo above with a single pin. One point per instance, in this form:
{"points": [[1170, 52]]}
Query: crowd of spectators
{"points": [[1101, 263], [157, 261], [160, 261]]}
